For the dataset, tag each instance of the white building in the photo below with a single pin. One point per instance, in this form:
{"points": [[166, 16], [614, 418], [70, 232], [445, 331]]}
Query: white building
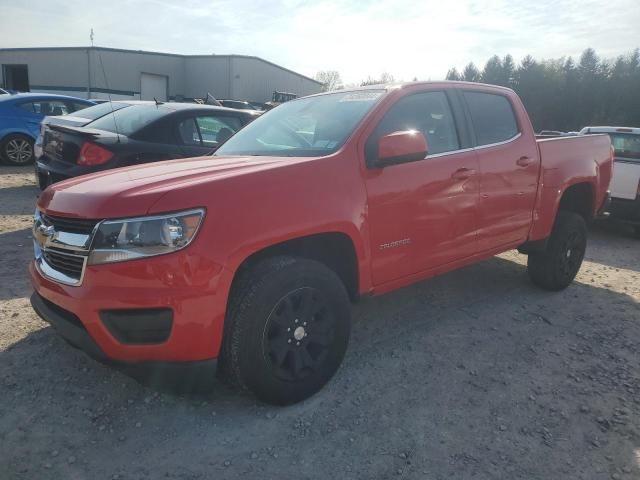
{"points": [[97, 72]]}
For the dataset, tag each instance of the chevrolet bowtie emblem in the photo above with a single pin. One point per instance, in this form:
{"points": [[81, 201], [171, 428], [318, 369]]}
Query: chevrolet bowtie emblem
{"points": [[49, 231]]}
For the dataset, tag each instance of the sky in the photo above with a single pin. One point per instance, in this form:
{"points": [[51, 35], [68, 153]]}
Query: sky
{"points": [[409, 39]]}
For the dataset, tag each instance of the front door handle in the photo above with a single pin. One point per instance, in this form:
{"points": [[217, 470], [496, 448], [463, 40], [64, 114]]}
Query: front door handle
{"points": [[524, 161], [463, 173]]}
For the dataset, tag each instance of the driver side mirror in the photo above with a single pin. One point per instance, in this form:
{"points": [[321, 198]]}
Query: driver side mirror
{"points": [[400, 147]]}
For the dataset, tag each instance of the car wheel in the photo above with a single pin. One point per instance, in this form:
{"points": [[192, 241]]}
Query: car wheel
{"points": [[286, 330], [556, 267], [17, 149]]}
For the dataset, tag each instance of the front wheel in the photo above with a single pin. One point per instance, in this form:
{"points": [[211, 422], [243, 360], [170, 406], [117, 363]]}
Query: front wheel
{"points": [[555, 268], [17, 150], [287, 329]]}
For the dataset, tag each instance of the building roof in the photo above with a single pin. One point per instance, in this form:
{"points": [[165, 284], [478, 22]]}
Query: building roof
{"points": [[146, 52]]}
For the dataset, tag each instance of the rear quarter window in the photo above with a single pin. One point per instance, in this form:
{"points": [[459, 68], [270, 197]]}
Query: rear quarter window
{"points": [[492, 116], [128, 121]]}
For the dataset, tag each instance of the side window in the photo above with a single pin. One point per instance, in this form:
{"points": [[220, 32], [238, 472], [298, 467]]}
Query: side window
{"points": [[217, 130], [492, 117], [28, 106], [157, 132], [188, 131], [75, 106], [46, 107], [428, 113]]}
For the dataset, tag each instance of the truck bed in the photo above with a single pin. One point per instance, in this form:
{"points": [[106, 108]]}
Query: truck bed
{"points": [[562, 165], [563, 157]]}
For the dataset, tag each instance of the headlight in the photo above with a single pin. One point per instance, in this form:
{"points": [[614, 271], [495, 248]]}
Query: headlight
{"points": [[128, 239]]}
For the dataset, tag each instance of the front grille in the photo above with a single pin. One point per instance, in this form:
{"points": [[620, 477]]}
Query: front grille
{"points": [[71, 225], [69, 264]]}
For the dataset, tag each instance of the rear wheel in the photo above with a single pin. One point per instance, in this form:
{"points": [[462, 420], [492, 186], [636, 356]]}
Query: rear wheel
{"points": [[287, 329], [17, 149], [556, 267]]}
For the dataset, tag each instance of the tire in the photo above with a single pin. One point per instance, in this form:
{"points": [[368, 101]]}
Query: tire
{"points": [[259, 354], [17, 149], [556, 267]]}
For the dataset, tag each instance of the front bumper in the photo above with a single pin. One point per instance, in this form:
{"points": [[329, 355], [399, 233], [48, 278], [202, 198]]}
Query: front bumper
{"points": [[192, 376], [192, 288], [625, 210]]}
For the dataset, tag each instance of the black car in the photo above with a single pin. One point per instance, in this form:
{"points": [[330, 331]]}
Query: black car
{"points": [[239, 104], [130, 133]]}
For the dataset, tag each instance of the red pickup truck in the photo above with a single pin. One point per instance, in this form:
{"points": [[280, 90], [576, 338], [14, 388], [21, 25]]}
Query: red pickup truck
{"points": [[250, 258]]}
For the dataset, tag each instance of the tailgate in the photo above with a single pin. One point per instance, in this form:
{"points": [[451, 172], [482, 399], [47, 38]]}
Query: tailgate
{"points": [[626, 179]]}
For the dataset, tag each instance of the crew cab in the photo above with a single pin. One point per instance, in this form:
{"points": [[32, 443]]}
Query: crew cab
{"points": [[250, 258], [625, 184]]}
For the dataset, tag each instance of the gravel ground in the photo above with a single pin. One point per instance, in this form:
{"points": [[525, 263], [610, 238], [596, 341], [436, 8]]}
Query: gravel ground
{"points": [[475, 374]]}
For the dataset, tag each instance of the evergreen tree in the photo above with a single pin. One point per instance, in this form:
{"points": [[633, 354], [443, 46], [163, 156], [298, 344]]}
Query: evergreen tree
{"points": [[453, 74], [493, 72], [471, 73], [562, 95]]}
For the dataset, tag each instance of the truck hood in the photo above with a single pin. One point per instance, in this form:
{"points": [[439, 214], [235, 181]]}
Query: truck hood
{"points": [[132, 191]]}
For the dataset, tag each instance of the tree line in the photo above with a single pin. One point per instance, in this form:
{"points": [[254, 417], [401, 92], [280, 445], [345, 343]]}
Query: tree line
{"points": [[564, 95]]}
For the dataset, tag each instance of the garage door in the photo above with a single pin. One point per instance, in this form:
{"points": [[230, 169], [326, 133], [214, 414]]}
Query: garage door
{"points": [[153, 86]]}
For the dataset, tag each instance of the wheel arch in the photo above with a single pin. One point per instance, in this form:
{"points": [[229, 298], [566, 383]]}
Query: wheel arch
{"points": [[578, 198], [334, 249], [14, 131]]}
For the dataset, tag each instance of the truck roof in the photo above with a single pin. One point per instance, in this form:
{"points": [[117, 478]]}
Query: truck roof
{"points": [[398, 85]]}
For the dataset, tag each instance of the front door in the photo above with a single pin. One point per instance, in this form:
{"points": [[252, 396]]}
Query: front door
{"points": [[422, 214]]}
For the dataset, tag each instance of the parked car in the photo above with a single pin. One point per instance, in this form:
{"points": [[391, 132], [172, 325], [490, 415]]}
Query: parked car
{"points": [[251, 256], [239, 104], [20, 117], [625, 185], [136, 133], [79, 119]]}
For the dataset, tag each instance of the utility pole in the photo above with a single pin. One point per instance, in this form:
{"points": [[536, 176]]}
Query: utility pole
{"points": [[89, 65]]}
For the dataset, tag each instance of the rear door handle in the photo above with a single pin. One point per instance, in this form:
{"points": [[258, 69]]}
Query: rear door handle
{"points": [[463, 173], [524, 161]]}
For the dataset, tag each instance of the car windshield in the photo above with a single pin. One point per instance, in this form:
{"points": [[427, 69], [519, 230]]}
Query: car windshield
{"points": [[97, 111], [127, 121], [626, 145], [308, 127]]}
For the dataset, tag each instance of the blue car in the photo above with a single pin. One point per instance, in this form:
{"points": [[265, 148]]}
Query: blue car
{"points": [[20, 117]]}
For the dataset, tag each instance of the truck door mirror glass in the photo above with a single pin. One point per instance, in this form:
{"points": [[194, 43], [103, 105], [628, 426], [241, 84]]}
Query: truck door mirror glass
{"points": [[400, 147]]}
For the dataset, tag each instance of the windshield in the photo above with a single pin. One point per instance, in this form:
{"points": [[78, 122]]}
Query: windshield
{"points": [[626, 145], [97, 111], [129, 120], [309, 127]]}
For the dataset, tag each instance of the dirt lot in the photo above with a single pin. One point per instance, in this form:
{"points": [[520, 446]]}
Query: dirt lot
{"points": [[475, 374]]}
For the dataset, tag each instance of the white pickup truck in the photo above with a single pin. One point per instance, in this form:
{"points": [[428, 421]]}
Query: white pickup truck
{"points": [[625, 184]]}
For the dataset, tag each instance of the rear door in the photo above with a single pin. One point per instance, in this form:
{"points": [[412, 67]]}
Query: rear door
{"points": [[202, 134], [509, 164], [36, 110], [158, 141], [423, 214]]}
